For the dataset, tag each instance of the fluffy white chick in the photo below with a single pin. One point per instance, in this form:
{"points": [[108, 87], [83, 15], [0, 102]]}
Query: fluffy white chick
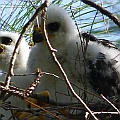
{"points": [[7, 45], [95, 70]]}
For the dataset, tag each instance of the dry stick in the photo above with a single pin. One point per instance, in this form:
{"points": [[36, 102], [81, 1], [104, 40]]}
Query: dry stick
{"points": [[52, 51], [12, 61], [115, 19], [114, 113], [110, 103], [106, 113], [43, 109], [34, 84]]}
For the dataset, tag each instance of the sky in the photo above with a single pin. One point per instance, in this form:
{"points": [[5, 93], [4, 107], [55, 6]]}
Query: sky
{"points": [[87, 16]]}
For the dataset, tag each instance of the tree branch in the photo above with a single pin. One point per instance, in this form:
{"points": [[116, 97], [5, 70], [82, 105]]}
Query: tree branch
{"points": [[115, 19]]}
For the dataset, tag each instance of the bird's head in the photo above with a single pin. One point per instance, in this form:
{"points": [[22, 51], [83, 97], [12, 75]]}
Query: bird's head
{"points": [[7, 45], [59, 26]]}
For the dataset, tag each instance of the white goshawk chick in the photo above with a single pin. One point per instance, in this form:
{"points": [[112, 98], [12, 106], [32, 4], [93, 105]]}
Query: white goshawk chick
{"points": [[7, 45], [95, 69]]}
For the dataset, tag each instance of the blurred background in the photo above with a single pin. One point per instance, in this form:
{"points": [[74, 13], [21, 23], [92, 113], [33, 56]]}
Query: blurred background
{"points": [[15, 13]]}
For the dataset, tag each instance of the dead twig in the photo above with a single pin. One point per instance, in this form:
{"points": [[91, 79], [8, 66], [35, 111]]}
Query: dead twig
{"points": [[110, 103], [34, 84], [21, 93], [37, 106]]}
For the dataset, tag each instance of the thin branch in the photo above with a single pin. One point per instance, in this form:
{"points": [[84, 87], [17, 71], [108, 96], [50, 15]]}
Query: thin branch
{"points": [[21, 93], [110, 103], [34, 84], [112, 113], [43, 109], [106, 113], [115, 19], [52, 51]]}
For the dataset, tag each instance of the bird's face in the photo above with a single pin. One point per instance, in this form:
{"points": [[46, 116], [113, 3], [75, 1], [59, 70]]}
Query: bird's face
{"points": [[7, 45], [58, 26]]}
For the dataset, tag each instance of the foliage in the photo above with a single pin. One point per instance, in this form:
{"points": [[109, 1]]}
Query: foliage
{"points": [[15, 13]]}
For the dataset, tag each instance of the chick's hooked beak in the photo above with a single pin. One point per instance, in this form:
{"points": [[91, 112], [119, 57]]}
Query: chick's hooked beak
{"points": [[1, 49], [38, 36]]}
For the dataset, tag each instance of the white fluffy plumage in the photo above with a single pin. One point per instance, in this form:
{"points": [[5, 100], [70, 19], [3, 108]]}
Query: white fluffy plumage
{"points": [[97, 72], [7, 45]]}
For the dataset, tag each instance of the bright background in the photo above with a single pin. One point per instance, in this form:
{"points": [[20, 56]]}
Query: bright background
{"points": [[15, 13]]}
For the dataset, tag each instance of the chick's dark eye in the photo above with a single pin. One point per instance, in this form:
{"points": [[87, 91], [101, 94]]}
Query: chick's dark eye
{"points": [[53, 27], [6, 40]]}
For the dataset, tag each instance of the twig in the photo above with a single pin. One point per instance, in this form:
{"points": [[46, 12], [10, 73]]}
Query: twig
{"points": [[21, 93], [43, 109], [34, 84], [114, 113], [52, 51], [115, 19], [26, 74], [106, 113], [110, 103]]}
